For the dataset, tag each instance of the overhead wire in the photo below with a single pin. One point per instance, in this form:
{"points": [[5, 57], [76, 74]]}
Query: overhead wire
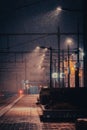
{"points": [[27, 42], [30, 4], [22, 6]]}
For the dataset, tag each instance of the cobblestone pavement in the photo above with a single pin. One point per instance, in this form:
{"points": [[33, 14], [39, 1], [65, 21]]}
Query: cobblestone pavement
{"points": [[25, 116]]}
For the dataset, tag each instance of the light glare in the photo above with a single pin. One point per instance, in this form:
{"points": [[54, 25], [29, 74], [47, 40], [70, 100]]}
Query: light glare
{"points": [[37, 47], [59, 9], [69, 41]]}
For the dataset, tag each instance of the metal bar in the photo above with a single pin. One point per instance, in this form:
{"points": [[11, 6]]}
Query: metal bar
{"points": [[68, 67], [58, 56], [50, 67], [54, 33]]}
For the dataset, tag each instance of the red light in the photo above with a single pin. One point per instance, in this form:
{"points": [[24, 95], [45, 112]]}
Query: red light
{"points": [[21, 91]]}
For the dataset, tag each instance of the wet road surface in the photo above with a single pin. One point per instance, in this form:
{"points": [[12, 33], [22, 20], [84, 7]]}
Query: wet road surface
{"points": [[25, 115]]}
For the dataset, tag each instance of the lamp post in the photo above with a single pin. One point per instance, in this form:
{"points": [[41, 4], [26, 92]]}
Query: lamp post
{"points": [[49, 48], [68, 67], [82, 12], [58, 56], [50, 67], [63, 68], [55, 73], [68, 42], [77, 71], [77, 66]]}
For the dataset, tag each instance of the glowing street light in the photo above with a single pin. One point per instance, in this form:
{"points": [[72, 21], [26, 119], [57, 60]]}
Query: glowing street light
{"points": [[69, 43], [82, 12], [49, 48], [58, 9], [37, 48]]}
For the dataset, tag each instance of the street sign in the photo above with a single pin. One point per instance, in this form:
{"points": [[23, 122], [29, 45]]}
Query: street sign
{"points": [[54, 75]]}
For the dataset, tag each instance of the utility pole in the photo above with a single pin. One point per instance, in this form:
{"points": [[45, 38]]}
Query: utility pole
{"points": [[58, 56], [55, 72], [25, 67], [63, 68], [8, 43], [77, 64], [26, 75], [17, 82], [50, 67], [68, 66]]}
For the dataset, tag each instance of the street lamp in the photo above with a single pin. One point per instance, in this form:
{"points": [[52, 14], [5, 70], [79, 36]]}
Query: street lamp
{"points": [[59, 9], [82, 12], [49, 48], [69, 42]]}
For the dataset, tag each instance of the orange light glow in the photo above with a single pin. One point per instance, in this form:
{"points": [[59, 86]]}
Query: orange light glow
{"points": [[20, 91]]}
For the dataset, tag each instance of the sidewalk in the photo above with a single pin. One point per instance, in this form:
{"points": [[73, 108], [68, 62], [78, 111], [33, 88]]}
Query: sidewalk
{"points": [[25, 115], [5, 109]]}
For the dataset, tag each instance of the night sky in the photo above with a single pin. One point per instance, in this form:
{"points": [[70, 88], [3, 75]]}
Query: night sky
{"points": [[33, 16], [37, 16]]}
